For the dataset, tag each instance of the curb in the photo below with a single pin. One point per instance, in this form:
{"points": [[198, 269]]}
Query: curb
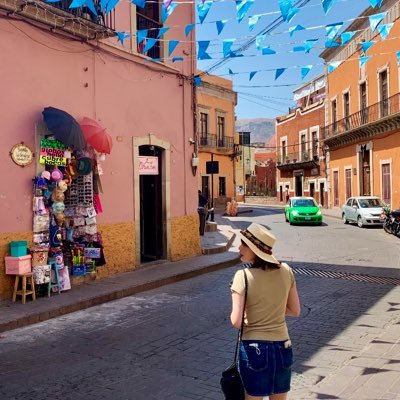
{"points": [[113, 295], [219, 249]]}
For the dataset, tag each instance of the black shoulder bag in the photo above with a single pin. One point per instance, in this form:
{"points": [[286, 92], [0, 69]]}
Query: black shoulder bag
{"points": [[231, 383]]}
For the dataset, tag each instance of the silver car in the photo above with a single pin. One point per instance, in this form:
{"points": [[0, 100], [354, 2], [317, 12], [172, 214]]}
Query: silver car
{"points": [[364, 210]]}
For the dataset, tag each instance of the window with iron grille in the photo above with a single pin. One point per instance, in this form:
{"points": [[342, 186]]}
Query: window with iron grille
{"points": [[314, 142], [203, 128], [220, 131], [334, 114], [386, 189], [149, 17]]}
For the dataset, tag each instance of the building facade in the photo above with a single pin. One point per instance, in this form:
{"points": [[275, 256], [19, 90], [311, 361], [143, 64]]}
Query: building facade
{"points": [[362, 113], [300, 155], [265, 168], [75, 61], [216, 103]]}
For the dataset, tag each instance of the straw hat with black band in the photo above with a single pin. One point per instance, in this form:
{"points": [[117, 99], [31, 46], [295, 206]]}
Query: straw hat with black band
{"points": [[260, 241]]}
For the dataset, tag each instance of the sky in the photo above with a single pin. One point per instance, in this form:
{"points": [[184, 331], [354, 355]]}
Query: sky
{"points": [[263, 96]]}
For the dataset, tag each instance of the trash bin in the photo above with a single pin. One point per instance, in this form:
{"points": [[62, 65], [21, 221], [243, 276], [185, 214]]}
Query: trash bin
{"points": [[202, 218]]}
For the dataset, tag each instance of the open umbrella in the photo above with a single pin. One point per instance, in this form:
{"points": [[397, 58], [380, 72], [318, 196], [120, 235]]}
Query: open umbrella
{"points": [[64, 127], [96, 135]]}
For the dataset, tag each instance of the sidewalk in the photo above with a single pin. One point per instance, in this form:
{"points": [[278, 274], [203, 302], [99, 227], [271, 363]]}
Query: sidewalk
{"points": [[215, 246]]}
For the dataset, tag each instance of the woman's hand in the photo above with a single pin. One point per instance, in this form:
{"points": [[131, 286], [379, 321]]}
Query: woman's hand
{"points": [[237, 309], [293, 307]]}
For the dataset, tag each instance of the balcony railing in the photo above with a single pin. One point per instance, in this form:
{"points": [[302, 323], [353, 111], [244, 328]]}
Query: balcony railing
{"points": [[299, 157], [212, 141], [153, 28], [373, 113]]}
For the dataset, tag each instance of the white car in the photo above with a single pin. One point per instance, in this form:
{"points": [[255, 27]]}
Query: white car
{"points": [[363, 210]]}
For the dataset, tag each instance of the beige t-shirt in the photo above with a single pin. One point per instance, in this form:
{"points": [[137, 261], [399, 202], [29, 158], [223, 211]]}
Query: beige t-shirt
{"points": [[267, 295]]}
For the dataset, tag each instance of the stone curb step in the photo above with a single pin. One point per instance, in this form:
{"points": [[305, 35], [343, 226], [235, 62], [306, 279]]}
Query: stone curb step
{"points": [[219, 248]]}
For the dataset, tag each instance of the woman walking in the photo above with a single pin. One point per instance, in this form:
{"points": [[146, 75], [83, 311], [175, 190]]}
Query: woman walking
{"points": [[266, 355]]}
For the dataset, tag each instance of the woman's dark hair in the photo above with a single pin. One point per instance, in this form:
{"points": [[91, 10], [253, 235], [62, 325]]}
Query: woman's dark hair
{"points": [[260, 263]]}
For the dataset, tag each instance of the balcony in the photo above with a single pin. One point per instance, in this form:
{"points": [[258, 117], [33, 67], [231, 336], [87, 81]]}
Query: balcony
{"points": [[298, 160], [79, 22], [212, 142], [378, 118], [153, 28]]}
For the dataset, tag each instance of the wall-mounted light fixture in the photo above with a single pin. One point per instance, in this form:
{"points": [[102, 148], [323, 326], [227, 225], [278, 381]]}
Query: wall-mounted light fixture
{"points": [[195, 163]]}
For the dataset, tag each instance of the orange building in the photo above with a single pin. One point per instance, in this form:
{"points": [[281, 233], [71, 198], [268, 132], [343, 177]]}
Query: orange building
{"points": [[216, 103], [300, 158], [363, 113]]}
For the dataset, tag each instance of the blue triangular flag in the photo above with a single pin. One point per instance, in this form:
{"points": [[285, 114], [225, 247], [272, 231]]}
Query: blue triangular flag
{"points": [[150, 42], [384, 30], [253, 21], [251, 76], [259, 41], [398, 57], [221, 25], [203, 9], [364, 59], [122, 36], [331, 43], [285, 7], [309, 44], [296, 28], [80, 3], [376, 19], [172, 46], [305, 70], [188, 29], [333, 29], [298, 48], [162, 31], [230, 71], [234, 54], [366, 45], [292, 14], [375, 3], [139, 3], [226, 46], [333, 65], [197, 80], [202, 53], [141, 35], [279, 72], [175, 59], [266, 51], [166, 12], [242, 8], [347, 36], [327, 5], [108, 5]]}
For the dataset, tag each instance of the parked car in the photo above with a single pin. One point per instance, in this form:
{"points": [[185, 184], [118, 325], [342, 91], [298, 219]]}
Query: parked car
{"points": [[302, 210], [363, 210]]}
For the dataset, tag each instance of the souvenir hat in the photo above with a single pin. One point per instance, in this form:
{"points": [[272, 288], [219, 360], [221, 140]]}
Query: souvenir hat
{"points": [[46, 175], [56, 175], [84, 165], [260, 241]]}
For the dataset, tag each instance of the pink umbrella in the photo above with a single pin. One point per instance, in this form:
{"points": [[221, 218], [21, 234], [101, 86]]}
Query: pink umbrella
{"points": [[96, 135]]}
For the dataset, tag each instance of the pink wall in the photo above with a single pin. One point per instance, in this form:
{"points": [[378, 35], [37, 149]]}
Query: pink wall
{"points": [[128, 98]]}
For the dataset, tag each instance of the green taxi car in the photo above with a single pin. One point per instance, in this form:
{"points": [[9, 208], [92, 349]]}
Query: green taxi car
{"points": [[300, 210]]}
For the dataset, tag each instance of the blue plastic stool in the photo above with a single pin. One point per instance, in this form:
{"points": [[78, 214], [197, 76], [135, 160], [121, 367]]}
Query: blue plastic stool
{"points": [[57, 281]]}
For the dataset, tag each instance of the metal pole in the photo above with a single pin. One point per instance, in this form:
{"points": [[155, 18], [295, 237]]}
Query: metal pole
{"points": [[212, 189]]}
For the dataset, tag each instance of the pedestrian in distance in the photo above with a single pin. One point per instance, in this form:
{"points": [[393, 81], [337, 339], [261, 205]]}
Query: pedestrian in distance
{"points": [[265, 355]]}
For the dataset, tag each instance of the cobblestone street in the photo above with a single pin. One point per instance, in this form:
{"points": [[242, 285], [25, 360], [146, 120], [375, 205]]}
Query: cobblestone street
{"points": [[173, 342]]}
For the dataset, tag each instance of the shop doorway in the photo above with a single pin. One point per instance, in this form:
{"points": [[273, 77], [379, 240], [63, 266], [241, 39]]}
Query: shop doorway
{"points": [[205, 186], [312, 189], [281, 194], [299, 185], [152, 218], [365, 172]]}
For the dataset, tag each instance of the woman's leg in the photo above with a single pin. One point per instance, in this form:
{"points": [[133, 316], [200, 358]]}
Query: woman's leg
{"points": [[248, 397], [280, 396]]}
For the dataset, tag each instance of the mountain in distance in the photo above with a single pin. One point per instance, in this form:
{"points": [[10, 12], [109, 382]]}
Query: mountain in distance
{"points": [[261, 129]]}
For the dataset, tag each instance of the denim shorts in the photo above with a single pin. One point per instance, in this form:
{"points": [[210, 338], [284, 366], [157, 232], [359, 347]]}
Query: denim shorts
{"points": [[265, 367]]}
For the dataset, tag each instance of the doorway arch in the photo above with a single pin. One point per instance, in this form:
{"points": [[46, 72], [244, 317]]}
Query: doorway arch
{"points": [[144, 188]]}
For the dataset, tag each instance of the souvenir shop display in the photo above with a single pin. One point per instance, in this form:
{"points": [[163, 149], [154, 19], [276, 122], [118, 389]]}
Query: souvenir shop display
{"points": [[66, 202]]}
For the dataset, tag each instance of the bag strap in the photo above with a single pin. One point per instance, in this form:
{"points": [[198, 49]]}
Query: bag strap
{"points": [[240, 333]]}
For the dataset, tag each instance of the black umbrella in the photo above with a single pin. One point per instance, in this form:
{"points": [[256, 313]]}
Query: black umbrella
{"points": [[64, 127]]}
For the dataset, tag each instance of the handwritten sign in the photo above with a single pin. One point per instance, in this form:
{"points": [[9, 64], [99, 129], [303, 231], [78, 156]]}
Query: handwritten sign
{"points": [[148, 165], [51, 156], [21, 154]]}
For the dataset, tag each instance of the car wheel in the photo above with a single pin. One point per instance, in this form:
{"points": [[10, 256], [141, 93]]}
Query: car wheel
{"points": [[359, 222], [345, 220]]}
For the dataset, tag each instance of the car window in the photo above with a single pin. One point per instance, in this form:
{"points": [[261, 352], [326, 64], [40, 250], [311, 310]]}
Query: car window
{"points": [[304, 203], [370, 203], [349, 202], [355, 203]]}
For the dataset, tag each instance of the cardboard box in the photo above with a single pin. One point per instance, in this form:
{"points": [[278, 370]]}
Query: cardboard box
{"points": [[18, 265]]}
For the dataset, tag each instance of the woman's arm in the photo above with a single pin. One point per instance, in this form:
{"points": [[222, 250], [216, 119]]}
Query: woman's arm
{"points": [[293, 307], [237, 309]]}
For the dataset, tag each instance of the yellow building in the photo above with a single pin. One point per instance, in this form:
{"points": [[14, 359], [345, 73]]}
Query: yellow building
{"points": [[216, 103]]}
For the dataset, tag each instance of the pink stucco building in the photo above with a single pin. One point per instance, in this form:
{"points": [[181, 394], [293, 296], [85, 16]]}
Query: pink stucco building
{"points": [[145, 106]]}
